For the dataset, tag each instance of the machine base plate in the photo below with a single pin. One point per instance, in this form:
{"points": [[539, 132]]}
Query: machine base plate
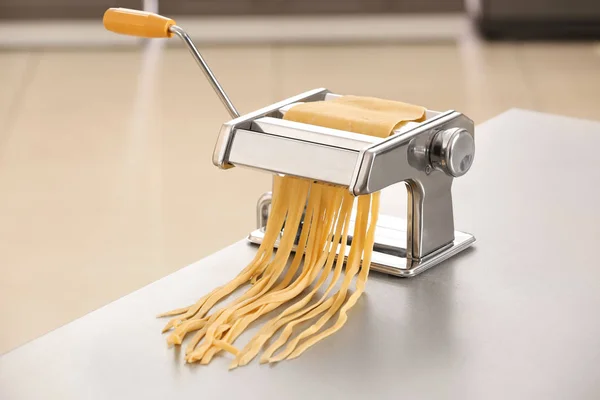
{"points": [[388, 257]]}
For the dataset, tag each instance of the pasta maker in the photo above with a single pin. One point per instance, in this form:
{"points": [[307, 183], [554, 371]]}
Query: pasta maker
{"points": [[427, 156]]}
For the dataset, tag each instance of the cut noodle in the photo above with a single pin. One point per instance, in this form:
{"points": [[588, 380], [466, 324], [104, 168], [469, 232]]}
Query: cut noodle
{"points": [[321, 213]]}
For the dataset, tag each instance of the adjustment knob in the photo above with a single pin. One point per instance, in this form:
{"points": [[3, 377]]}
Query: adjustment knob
{"points": [[452, 151]]}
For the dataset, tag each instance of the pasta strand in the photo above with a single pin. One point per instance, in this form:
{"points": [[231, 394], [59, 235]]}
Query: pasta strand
{"points": [[301, 284]]}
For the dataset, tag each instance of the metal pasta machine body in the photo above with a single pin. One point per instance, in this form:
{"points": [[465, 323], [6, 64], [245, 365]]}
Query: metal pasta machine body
{"points": [[426, 156]]}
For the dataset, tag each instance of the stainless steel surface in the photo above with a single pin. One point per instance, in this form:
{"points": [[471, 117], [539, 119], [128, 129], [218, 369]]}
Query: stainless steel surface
{"points": [[284, 147], [262, 209], [430, 214], [281, 155], [225, 137], [405, 158], [389, 253], [363, 164], [206, 69], [515, 317], [389, 161], [452, 151]]}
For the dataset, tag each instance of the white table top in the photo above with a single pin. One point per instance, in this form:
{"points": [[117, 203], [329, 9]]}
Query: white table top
{"points": [[516, 317]]}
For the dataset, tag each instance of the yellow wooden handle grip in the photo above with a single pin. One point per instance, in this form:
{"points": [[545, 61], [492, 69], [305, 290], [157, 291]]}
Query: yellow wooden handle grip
{"points": [[137, 23]]}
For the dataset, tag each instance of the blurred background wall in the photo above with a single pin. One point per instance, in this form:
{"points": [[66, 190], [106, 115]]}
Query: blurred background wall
{"points": [[90, 8], [68, 22], [494, 18]]}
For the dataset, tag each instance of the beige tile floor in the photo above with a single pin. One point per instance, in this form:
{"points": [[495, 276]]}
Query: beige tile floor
{"points": [[106, 181]]}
